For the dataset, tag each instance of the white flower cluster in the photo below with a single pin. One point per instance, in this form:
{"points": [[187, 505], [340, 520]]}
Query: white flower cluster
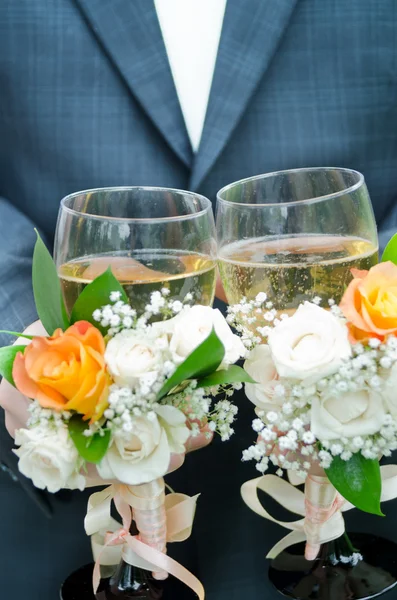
{"points": [[222, 417], [284, 440], [317, 395], [352, 559], [254, 319], [46, 417], [160, 304], [124, 404], [119, 315], [47, 454], [146, 426], [245, 316], [141, 358], [197, 403]]}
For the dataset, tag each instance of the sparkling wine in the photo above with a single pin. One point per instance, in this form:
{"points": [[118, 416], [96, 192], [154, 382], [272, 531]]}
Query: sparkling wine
{"points": [[293, 269], [143, 272]]}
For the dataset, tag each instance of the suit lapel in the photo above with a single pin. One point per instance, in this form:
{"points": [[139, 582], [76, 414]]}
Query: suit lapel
{"points": [[251, 32], [130, 33]]}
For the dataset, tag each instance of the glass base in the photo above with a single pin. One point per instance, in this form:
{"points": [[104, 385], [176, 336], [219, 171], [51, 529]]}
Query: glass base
{"points": [[78, 586], [295, 577]]}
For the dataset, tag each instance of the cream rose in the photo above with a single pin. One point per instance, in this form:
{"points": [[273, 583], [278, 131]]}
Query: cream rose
{"points": [[130, 355], [347, 414], [261, 367], [49, 458], [192, 325], [144, 453], [310, 345], [389, 391]]}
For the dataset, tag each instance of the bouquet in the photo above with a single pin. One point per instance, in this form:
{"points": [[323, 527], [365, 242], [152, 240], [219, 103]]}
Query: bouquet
{"points": [[326, 403], [114, 396]]}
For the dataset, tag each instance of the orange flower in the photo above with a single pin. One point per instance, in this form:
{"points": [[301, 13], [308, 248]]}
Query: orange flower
{"points": [[66, 371], [370, 302]]}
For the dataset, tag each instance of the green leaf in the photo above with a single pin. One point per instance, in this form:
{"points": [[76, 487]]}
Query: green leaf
{"points": [[96, 295], [233, 374], [16, 334], [7, 357], [390, 252], [358, 480], [47, 290], [204, 360], [92, 448]]}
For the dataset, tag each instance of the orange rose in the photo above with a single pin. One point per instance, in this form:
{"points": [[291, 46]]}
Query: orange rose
{"points": [[66, 371], [370, 302]]}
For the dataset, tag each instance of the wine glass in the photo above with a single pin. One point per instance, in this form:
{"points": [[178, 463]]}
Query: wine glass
{"points": [[152, 238], [294, 235]]}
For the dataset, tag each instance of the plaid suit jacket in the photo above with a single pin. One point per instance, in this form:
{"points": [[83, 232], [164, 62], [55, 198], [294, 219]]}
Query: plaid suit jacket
{"points": [[87, 100]]}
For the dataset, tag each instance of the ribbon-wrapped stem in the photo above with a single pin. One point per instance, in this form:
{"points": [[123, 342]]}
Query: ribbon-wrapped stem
{"points": [[147, 502], [320, 506], [322, 501], [111, 540]]}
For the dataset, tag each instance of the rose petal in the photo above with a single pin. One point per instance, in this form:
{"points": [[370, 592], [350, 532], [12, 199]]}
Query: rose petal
{"points": [[21, 379], [260, 366], [366, 415], [64, 370], [147, 469], [325, 344], [350, 305], [370, 302]]}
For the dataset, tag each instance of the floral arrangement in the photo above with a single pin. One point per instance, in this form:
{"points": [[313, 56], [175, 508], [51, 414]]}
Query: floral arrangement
{"points": [[89, 407], [325, 391], [115, 393]]}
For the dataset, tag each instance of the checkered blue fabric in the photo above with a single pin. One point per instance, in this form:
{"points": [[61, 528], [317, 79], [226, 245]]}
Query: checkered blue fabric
{"points": [[87, 100]]}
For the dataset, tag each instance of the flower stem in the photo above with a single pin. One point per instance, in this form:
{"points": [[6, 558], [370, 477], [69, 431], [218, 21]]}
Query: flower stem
{"points": [[349, 544]]}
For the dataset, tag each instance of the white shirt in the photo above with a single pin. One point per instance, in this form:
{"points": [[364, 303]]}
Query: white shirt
{"points": [[191, 31]]}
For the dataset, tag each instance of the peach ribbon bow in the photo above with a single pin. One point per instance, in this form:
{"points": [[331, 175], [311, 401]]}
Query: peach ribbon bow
{"points": [[111, 541], [320, 506]]}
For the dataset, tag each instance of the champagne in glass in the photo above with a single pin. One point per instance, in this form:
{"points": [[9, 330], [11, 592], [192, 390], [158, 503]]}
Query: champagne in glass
{"points": [[141, 273], [288, 268], [295, 235], [152, 238]]}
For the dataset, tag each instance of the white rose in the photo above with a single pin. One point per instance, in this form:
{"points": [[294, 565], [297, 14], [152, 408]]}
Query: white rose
{"points": [[347, 414], [144, 454], [129, 355], [49, 458], [389, 391], [261, 367], [310, 345], [193, 325]]}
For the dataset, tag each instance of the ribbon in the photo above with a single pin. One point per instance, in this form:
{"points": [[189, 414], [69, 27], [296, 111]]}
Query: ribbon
{"points": [[111, 542], [148, 506], [320, 506]]}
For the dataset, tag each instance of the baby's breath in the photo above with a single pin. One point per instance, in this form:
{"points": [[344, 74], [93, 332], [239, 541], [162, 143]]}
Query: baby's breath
{"points": [[45, 417]]}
